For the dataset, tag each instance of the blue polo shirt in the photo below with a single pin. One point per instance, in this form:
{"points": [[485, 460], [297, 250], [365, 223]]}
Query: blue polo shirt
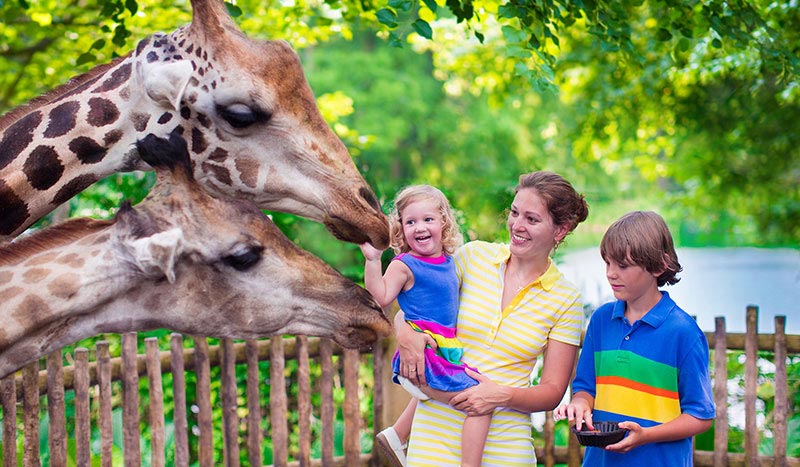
{"points": [[648, 372]]}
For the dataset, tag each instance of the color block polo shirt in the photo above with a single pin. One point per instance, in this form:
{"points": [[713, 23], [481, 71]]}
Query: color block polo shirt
{"points": [[648, 372]]}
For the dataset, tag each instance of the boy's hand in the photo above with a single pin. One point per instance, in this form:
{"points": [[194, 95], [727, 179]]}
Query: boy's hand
{"points": [[370, 252], [634, 438], [577, 410]]}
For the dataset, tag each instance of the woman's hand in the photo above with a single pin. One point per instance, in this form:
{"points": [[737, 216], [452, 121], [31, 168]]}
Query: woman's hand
{"points": [[411, 346], [481, 399]]}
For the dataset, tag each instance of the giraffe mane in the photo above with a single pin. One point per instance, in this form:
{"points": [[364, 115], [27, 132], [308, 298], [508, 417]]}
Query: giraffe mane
{"points": [[52, 237], [59, 91]]}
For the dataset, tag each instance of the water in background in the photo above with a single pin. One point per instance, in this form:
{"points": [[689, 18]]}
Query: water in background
{"points": [[714, 282]]}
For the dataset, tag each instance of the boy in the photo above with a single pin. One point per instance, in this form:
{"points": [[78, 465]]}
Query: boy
{"points": [[644, 361]]}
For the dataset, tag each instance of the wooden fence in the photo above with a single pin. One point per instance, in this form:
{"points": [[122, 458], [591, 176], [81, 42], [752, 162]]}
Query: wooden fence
{"points": [[243, 417]]}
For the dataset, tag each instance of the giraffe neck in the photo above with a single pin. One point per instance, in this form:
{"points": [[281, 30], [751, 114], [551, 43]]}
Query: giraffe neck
{"points": [[64, 141], [54, 288]]}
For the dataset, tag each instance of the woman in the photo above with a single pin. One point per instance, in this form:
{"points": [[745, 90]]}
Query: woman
{"points": [[514, 304]]}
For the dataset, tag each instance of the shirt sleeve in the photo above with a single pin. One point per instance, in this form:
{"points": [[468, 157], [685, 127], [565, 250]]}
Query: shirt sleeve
{"points": [[694, 380], [585, 379]]}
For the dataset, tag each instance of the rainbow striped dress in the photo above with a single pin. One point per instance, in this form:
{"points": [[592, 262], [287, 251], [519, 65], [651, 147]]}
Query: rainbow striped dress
{"points": [[431, 306]]}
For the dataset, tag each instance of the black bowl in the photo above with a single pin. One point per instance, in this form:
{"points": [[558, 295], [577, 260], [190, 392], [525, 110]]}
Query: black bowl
{"points": [[604, 433]]}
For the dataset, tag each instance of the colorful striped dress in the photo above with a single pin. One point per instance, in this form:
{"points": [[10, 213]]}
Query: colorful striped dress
{"points": [[505, 345], [431, 306], [648, 372]]}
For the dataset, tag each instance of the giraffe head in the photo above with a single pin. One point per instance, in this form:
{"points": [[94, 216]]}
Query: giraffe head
{"points": [[229, 266], [244, 106], [181, 260], [253, 125]]}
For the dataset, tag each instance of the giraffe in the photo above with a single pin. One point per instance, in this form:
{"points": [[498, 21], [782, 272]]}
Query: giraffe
{"points": [[182, 260], [244, 106]]}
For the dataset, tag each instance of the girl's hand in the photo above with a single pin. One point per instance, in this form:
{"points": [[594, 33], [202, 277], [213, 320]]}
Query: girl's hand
{"points": [[481, 399], [370, 252]]}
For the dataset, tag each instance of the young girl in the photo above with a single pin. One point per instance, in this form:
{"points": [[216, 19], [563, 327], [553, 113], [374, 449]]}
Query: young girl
{"points": [[422, 277]]}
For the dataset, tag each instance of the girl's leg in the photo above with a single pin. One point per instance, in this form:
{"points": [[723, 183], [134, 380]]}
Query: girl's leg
{"points": [[402, 426], [473, 439]]}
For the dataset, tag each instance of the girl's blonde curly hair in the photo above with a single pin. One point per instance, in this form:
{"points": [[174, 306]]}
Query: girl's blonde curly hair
{"points": [[451, 233]]}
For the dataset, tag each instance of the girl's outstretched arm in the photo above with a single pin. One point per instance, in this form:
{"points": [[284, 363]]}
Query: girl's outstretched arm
{"points": [[384, 288]]}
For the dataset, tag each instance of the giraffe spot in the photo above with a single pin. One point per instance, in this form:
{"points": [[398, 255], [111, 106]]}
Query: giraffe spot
{"points": [[248, 171], [201, 71], [140, 121], [72, 259], [112, 137], [74, 186], [164, 118], [119, 76], [101, 112], [142, 44], [17, 137], [5, 277], [31, 310], [34, 275], [189, 49], [87, 150], [41, 259], [199, 51], [220, 173], [13, 211], [186, 112], [199, 143], [214, 84], [65, 285], [43, 168], [7, 294], [62, 119], [125, 93], [218, 155], [101, 239], [151, 57]]}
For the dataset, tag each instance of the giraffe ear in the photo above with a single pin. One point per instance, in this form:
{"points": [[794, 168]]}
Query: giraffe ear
{"points": [[157, 254], [165, 82]]}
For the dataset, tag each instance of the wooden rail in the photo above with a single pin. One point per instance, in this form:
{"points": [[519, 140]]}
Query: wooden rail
{"points": [[109, 384]]}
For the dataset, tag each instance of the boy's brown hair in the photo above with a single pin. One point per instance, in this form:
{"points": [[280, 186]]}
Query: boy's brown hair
{"points": [[642, 238]]}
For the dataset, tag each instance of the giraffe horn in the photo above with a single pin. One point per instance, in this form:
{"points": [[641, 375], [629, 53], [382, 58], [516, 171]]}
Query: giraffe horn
{"points": [[211, 19]]}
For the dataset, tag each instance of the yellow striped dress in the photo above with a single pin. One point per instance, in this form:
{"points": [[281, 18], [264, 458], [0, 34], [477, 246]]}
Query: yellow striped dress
{"points": [[504, 344]]}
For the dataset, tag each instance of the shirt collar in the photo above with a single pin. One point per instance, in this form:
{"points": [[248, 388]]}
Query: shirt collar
{"points": [[655, 317], [546, 280]]}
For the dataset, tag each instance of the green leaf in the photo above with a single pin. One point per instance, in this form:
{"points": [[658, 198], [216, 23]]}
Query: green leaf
{"points": [[132, 6], [422, 28], [401, 5], [395, 41], [233, 10], [85, 58], [387, 17], [431, 4], [716, 43], [513, 35], [479, 36], [663, 35], [98, 44]]}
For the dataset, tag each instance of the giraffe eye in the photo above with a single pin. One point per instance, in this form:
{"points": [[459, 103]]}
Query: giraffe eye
{"points": [[241, 115], [244, 259]]}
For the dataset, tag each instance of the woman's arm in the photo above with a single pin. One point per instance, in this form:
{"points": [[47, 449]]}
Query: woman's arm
{"points": [[411, 346], [559, 360]]}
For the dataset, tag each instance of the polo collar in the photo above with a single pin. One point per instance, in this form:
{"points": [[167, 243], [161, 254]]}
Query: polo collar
{"points": [[655, 317], [547, 280]]}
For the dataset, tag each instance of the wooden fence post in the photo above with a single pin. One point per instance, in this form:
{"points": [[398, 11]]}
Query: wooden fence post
{"points": [[105, 421], [750, 377], [202, 368], [720, 392], [8, 399], [179, 417], [30, 408], [781, 393], [130, 396], [254, 434], [156, 387], [83, 429], [57, 431]]}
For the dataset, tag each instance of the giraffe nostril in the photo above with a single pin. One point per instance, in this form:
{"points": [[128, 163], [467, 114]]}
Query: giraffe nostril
{"points": [[370, 198]]}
